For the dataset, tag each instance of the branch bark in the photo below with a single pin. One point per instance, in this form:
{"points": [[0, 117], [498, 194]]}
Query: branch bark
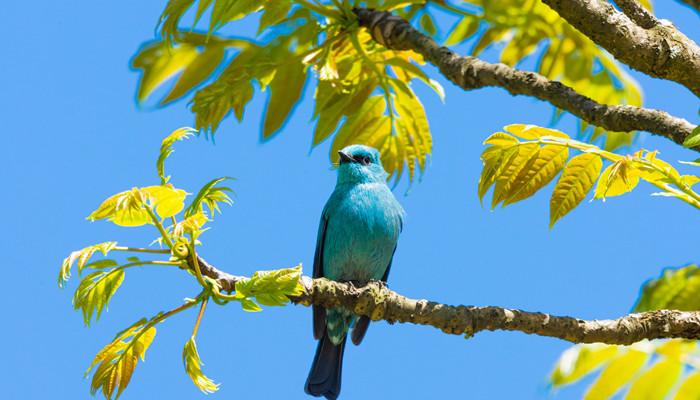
{"points": [[637, 13], [661, 50], [378, 302], [472, 73]]}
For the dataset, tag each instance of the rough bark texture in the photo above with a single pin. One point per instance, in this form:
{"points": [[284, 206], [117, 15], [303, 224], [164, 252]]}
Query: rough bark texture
{"points": [[661, 51], [473, 73], [637, 13], [376, 301]]}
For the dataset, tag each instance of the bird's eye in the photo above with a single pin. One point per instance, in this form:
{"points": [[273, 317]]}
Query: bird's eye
{"points": [[365, 160]]}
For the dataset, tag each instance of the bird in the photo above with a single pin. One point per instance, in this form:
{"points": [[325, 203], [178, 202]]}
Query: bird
{"points": [[357, 237]]}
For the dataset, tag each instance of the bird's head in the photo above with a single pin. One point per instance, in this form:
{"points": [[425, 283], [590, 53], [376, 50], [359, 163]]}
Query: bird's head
{"points": [[360, 164]]}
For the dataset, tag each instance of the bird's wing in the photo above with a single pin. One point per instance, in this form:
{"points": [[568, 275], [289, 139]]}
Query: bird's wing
{"points": [[360, 329], [319, 313]]}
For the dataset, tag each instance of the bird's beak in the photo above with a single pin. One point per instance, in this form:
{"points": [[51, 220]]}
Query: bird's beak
{"points": [[345, 158]]}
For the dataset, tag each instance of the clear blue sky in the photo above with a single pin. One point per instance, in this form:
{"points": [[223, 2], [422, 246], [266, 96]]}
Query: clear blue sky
{"points": [[73, 136]]}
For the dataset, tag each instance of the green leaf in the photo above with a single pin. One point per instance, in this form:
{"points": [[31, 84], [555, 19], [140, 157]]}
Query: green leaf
{"points": [[166, 149], [428, 24], [159, 63], [169, 19], [269, 288], [275, 11], [95, 291], [82, 256], [196, 72], [693, 140], [675, 289], [211, 195], [193, 367], [285, 92]]}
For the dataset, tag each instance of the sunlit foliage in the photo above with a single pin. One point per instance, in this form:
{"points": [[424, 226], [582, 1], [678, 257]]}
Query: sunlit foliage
{"points": [[363, 92], [525, 158], [646, 370], [179, 226]]}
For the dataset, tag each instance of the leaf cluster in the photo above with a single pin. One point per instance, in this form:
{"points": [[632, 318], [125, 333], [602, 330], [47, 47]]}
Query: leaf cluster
{"points": [[116, 362], [363, 91], [179, 225], [269, 288], [531, 30], [522, 160]]}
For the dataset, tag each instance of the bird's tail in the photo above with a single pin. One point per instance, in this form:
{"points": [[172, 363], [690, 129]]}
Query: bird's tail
{"points": [[325, 374]]}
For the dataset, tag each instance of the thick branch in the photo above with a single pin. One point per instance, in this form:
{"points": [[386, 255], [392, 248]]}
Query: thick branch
{"points": [[376, 301], [661, 50], [472, 73], [640, 15]]}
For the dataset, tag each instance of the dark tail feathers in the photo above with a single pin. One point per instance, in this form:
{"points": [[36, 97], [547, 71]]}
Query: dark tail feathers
{"points": [[325, 374]]}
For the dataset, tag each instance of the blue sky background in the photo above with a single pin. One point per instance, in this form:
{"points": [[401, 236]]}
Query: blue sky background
{"points": [[74, 135]]}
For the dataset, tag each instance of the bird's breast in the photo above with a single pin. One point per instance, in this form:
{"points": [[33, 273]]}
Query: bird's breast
{"points": [[363, 227]]}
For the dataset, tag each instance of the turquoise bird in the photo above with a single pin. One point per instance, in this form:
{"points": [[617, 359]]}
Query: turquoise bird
{"points": [[357, 236]]}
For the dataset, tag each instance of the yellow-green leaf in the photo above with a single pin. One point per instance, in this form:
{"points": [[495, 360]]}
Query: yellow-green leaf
{"points": [[575, 182], [82, 256], [166, 149], [159, 63], [198, 70], [270, 288], [128, 208], [617, 373], [285, 91], [533, 132], [618, 178], [538, 172], [655, 383], [167, 200], [579, 361], [95, 291], [675, 289], [690, 388], [511, 170], [193, 367], [211, 195], [116, 361], [465, 28]]}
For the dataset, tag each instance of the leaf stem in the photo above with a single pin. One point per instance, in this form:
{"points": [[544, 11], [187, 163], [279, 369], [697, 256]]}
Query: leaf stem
{"points": [[199, 316], [198, 274], [159, 225]]}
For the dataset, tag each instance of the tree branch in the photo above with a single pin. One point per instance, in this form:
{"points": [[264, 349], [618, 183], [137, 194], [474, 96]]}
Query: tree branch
{"points": [[661, 50], [472, 73], [376, 301], [640, 15]]}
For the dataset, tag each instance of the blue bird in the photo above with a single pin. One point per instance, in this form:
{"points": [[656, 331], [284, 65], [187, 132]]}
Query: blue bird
{"points": [[357, 236]]}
